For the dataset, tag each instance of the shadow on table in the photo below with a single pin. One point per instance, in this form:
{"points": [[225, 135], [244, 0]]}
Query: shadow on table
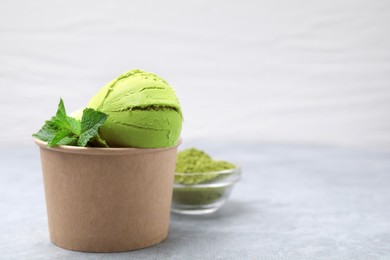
{"points": [[232, 209], [192, 231]]}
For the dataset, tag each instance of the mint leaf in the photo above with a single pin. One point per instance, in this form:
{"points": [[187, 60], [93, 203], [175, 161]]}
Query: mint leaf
{"points": [[74, 125], [97, 140], [65, 130], [47, 132], [90, 123], [60, 135], [61, 112], [60, 119], [68, 141]]}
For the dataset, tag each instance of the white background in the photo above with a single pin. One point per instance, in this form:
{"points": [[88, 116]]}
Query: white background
{"points": [[306, 72]]}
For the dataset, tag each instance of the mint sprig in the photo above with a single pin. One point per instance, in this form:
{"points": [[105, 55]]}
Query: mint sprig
{"points": [[90, 123], [62, 129]]}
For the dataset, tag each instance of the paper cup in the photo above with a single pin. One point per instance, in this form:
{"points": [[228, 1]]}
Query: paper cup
{"points": [[107, 199]]}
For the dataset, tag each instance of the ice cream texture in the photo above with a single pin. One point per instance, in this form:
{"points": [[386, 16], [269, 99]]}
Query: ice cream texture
{"points": [[143, 111]]}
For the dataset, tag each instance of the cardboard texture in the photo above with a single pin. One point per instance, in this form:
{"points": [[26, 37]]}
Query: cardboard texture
{"points": [[107, 199]]}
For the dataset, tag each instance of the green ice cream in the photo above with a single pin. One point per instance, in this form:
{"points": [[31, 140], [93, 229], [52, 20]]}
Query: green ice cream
{"points": [[143, 111]]}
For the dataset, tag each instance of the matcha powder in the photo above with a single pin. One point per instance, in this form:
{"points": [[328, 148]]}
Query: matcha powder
{"points": [[196, 161]]}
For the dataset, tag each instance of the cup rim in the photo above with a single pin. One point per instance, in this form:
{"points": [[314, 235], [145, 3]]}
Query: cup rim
{"points": [[236, 170], [103, 150]]}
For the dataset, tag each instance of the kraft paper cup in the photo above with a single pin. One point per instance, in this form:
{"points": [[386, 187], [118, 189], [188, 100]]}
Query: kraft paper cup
{"points": [[107, 199]]}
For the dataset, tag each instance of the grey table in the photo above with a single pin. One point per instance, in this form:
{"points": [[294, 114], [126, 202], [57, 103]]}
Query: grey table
{"points": [[294, 202]]}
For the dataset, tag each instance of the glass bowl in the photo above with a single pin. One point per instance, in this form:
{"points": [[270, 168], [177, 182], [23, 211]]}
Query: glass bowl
{"points": [[202, 193]]}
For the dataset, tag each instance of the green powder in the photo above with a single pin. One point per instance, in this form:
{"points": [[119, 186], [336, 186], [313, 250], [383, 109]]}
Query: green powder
{"points": [[197, 167], [197, 196], [195, 161]]}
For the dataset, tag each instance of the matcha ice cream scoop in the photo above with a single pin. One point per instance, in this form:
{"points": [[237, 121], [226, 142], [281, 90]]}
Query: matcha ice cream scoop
{"points": [[143, 111]]}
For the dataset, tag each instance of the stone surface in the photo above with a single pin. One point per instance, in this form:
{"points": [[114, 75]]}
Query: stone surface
{"points": [[293, 202]]}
